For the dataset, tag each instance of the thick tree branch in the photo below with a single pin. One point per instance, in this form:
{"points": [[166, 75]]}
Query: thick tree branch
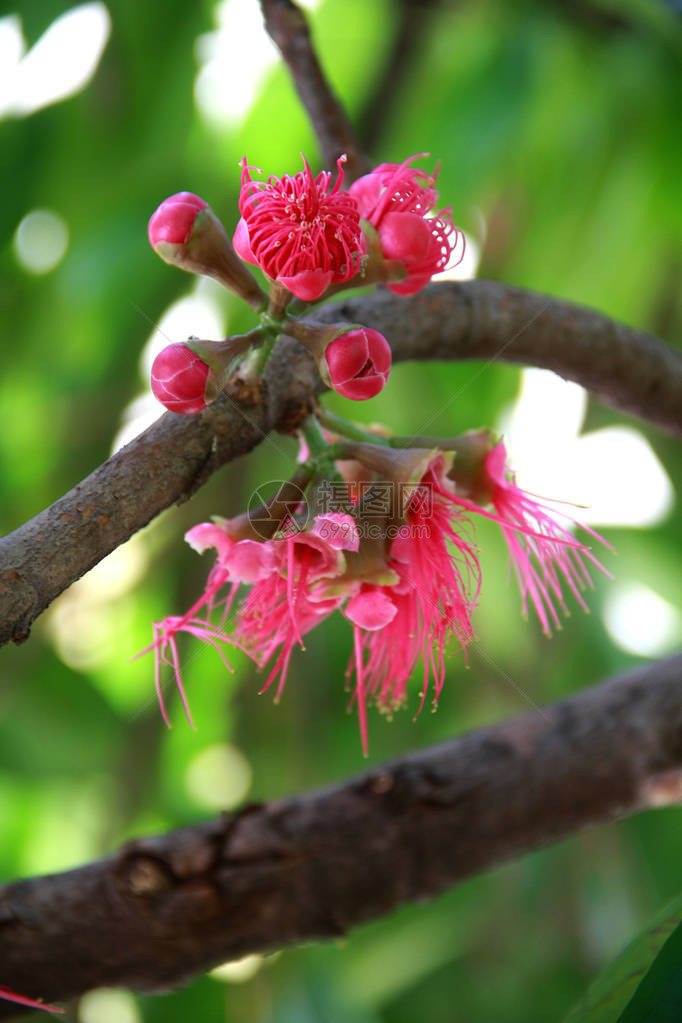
{"points": [[287, 26], [480, 320], [312, 867]]}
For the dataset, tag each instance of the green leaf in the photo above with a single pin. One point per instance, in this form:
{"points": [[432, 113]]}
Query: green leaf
{"points": [[645, 982], [659, 997]]}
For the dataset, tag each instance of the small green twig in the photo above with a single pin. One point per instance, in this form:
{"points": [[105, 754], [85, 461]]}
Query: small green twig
{"points": [[253, 366], [350, 430], [314, 438]]}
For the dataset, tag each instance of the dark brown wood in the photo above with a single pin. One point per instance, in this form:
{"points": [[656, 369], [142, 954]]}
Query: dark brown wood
{"points": [[309, 868]]}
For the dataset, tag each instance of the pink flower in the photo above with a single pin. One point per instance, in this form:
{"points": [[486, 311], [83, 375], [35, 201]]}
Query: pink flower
{"points": [[290, 601], [300, 233], [179, 378], [544, 553], [359, 363], [395, 199]]}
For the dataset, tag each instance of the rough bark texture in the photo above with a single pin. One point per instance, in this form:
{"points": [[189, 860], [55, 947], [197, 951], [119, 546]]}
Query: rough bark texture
{"points": [[624, 367], [483, 320], [166, 908], [288, 28]]}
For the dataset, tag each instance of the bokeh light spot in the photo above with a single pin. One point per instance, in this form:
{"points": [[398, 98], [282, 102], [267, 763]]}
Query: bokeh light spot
{"points": [[239, 970], [60, 64], [40, 241], [640, 621], [108, 1005], [233, 62], [219, 777], [613, 474]]}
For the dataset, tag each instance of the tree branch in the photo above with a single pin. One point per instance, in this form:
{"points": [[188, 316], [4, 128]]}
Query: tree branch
{"points": [[626, 368], [311, 867], [288, 28]]}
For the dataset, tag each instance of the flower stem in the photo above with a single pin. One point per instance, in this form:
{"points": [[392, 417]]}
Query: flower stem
{"points": [[464, 440], [314, 438], [350, 430], [253, 366], [473, 441]]}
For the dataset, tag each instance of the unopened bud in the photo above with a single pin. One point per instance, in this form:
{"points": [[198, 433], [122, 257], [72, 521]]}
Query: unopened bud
{"points": [[354, 360], [185, 232], [359, 363], [188, 376]]}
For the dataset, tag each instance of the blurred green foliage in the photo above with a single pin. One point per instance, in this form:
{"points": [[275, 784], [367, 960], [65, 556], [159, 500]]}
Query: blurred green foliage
{"points": [[558, 126], [639, 971]]}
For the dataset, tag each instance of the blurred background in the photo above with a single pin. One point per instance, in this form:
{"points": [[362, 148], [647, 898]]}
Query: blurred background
{"points": [[557, 128]]}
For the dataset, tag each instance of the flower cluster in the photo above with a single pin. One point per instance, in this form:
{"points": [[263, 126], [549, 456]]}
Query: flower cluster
{"points": [[310, 237], [404, 573], [377, 528]]}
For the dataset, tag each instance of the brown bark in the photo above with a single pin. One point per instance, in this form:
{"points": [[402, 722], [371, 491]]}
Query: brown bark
{"points": [[482, 320], [311, 867]]}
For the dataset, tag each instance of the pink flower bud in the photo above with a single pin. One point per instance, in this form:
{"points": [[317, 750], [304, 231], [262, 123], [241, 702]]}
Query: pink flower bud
{"points": [[173, 220], [179, 379], [185, 232], [359, 363]]}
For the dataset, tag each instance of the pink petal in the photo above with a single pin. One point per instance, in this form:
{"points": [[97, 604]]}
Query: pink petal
{"points": [[371, 610], [208, 534], [250, 561], [338, 530], [242, 245], [307, 285]]}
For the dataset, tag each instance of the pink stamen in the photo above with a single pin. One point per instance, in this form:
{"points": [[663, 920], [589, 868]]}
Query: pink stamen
{"points": [[360, 688], [12, 996]]}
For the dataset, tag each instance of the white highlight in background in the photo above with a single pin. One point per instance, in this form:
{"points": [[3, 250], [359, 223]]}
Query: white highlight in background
{"points": [[234, 61], [239, 970], [12, 49], [641, 622], [60, 64], [219, 777], [613, 473], [40, 241], [80, 623], [108, 1005], [198, 314], [467, 268]]}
